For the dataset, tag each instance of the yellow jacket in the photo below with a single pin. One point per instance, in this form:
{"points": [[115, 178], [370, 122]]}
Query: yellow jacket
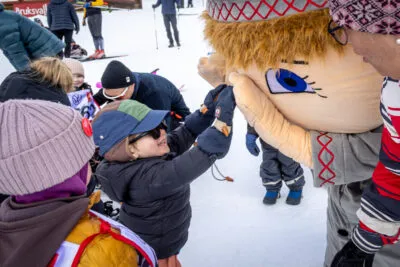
{"points": [[103, 250], [94, 4]]}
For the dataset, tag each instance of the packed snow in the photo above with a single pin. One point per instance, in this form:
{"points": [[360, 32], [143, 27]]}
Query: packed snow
{"points": [[230, 224]]}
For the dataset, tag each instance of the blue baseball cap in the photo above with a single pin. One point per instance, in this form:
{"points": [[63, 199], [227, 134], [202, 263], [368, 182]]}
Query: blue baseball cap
{"points": [[121, 119]]}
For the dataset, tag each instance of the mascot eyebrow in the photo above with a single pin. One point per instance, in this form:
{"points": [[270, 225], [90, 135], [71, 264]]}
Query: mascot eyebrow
{"points": [[296, 62]]}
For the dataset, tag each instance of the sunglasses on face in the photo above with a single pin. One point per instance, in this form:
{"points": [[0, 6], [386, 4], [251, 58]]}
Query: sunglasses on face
{"points": [[155, 133], [117, 96]]}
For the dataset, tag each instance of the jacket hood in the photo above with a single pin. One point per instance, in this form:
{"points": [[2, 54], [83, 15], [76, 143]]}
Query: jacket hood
{"points": [[32, 233], [58, 2], [19, 85]]}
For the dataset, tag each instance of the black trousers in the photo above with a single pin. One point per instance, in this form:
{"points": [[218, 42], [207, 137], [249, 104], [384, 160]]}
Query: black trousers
{"points": [[67, 35], [170, 19]]}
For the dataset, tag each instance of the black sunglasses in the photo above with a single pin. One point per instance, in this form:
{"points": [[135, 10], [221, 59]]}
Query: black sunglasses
{"points": [[155, 133]]}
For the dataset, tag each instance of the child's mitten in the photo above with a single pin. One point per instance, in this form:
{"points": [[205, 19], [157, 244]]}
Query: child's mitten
{"points": [[216, 140], [201, 119], [251, 144]]}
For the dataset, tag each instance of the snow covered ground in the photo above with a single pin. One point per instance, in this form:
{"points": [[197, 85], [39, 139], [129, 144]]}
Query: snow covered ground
{"points": [[230, 225]]}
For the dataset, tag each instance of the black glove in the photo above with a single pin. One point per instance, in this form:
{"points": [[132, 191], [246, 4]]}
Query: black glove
{"points": [[153, 6], [351, 256]]}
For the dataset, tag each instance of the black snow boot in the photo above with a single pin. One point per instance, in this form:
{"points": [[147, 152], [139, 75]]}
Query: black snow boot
{"points": [[171, 45]]}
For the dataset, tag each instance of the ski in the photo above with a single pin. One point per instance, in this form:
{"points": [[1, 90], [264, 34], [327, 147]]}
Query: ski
{"points": [[188, 14], [79, 6], [181, 88], [87, 59]]}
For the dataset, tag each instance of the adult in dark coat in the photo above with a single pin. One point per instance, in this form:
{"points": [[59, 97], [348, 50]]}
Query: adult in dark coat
{"points": [[22, 39], [154, 91], [169, 14], [62, 20], [154, 185]]}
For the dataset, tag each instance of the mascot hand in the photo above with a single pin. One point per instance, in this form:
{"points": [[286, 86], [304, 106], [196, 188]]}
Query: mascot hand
{"points": [[212, 69], [265, 118]]}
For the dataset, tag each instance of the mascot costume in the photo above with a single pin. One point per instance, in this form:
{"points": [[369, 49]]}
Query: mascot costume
{"points": [[305, 94]]}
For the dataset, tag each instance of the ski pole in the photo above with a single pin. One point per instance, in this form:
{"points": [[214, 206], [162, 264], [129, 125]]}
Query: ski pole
{"points": [[155, 27]]}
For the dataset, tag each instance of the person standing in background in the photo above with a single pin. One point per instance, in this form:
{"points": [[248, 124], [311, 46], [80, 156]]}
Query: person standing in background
{"points": [[169, 14], [94, 17], [61, 18]]}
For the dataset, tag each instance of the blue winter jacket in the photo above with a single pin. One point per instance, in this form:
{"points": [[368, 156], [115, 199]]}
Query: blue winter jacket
{"points": [[168, 6], [22, 39], [62, 15]]}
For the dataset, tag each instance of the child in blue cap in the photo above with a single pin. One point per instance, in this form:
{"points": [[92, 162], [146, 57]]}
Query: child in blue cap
{"points": [[150, 172]]}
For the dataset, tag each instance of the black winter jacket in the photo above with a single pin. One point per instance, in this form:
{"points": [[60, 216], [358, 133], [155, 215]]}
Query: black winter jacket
{"points": [[156, 92], [155, 192], [61, 15], [21, 85]]}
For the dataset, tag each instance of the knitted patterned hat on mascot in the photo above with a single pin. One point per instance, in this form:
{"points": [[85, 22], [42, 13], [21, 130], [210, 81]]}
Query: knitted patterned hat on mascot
{"points": [[304, 32], [286, 59]]}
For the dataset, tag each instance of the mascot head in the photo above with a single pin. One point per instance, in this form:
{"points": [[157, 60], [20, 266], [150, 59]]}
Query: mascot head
{"points": [[287, 51]]}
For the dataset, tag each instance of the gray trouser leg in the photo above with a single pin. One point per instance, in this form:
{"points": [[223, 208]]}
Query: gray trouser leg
{"points": [[270, 171], [175, 28], [167, 20], [94, 22], [343, 202], [277, 167], [292, 172]]}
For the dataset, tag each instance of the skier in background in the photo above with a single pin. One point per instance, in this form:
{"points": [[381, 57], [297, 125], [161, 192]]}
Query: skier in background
{"points": [[94, 17], [169, 14]]}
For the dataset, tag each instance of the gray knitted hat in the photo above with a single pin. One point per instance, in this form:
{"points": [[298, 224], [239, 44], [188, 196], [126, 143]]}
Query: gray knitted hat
{"points": [[41, 144]]}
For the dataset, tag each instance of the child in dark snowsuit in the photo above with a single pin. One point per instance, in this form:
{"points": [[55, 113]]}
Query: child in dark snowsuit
{"points": [[274, 168], [150, 172]]}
